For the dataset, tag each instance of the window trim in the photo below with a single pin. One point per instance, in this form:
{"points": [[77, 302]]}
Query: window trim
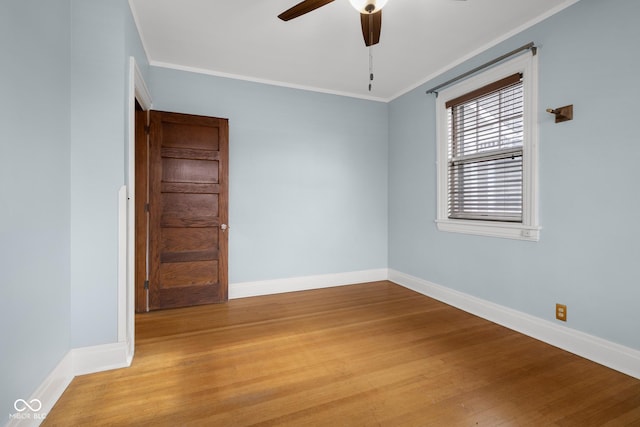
{"points": [[529, 229]]}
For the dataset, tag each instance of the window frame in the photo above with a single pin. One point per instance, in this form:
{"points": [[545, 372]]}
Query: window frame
{"points": [[529, 228]]}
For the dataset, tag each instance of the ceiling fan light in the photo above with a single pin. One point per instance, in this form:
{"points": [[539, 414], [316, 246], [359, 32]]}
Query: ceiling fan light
{"points": [[368, 6]]}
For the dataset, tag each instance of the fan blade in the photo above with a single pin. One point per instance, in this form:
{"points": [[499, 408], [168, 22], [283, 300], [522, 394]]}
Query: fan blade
{"points": [[303, 7], [371, 26]]}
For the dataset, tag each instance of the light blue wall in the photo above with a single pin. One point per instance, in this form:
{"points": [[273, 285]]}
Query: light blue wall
{"points": [[133, 47], [63, 135], [104, 37], [589, 202], [97, 167], [308, 174], [34, 189]]}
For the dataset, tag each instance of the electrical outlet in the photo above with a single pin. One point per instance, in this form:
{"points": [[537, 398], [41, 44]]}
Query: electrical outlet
{"points": [[561, 312]]}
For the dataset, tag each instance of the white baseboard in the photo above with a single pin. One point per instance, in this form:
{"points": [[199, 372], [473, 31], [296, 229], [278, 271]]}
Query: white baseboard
{"points": [[78, 361], [89, 360], [607, 353], [268, 287], [131, 348], [46, 395]]}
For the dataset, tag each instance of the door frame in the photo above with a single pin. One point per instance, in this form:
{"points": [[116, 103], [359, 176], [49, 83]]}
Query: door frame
{"points": [[137, 90]]}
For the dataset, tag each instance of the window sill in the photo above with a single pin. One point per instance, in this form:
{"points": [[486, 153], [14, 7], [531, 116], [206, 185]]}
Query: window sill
{"points": [[491, 229]]}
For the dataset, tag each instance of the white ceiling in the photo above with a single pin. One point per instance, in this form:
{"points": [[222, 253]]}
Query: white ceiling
{"points": [[324, 49]]}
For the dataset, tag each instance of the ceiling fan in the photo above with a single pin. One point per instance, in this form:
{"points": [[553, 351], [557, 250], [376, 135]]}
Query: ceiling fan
{"points": [[370, 15]]}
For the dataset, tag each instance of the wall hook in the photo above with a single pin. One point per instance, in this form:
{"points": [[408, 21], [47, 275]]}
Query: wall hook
{"points": [[562, 114]]}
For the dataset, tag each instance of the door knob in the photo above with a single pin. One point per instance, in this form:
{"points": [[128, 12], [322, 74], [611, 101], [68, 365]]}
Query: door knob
{"points": [[223, 227]]}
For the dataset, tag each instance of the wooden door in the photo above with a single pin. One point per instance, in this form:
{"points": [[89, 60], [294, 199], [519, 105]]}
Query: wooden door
{"points": [[188, 210]]}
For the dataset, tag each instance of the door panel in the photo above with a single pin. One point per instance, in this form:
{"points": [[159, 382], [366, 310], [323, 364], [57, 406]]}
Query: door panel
{"points": [[188, 186], [189, 171], [181, 274], [186, 209], [193, 136], [185, 240]]}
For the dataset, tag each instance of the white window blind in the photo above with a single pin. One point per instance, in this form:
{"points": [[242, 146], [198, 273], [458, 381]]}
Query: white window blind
{"points": [[485, 152]]}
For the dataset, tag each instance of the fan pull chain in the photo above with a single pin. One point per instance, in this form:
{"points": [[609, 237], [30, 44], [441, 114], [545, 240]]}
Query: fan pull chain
{"points": [[370, 67]]}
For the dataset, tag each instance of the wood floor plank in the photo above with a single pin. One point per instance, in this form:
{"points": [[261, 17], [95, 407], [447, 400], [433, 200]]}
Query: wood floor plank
{"points": [[374, 354]]}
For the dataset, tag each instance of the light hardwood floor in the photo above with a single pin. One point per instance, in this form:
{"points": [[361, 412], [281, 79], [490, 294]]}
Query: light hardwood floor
{"points": [[361, 355]]}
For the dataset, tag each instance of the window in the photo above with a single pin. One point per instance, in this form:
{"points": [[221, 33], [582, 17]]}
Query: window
{"points": [[487, 153]]}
